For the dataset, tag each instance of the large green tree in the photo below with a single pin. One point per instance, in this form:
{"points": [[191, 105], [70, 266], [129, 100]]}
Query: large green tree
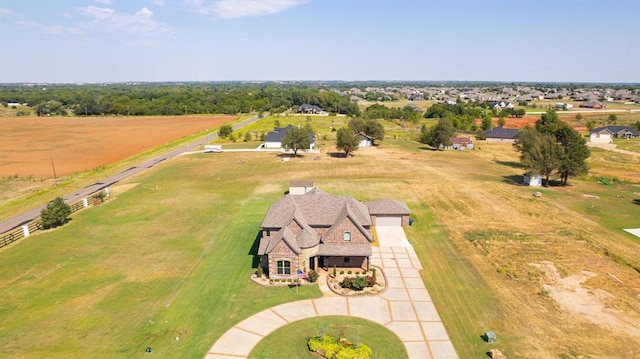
{"points": [[553, 146], [55, 213], [346, 141], [295, 139], [440, 135], [543, 155], [372, 128]]}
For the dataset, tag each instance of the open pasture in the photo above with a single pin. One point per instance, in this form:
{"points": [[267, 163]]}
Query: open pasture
{"points": [[169, 256]]}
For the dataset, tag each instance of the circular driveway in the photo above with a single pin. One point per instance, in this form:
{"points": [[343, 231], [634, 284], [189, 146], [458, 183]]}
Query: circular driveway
{"points": [[405, 308]]}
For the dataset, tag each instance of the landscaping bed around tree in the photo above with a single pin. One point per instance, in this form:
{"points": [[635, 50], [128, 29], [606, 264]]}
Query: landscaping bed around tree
{"points": [[350, 281]]}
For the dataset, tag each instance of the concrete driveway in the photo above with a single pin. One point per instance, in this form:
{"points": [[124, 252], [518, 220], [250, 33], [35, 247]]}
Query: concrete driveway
{"points": [[404, 308]]}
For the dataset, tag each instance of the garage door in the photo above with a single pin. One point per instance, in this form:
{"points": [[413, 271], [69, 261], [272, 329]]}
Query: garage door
{"points": [[388, 221]]}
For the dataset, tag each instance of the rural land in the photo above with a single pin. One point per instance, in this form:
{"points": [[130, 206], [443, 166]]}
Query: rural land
{"points": [[161, 263]]}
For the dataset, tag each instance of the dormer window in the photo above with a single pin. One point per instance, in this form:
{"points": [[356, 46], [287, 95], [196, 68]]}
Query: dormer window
{"points": [[347, 236]]}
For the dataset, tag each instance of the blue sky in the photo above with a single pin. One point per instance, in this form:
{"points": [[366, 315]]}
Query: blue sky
{"points": [[223, 40]]}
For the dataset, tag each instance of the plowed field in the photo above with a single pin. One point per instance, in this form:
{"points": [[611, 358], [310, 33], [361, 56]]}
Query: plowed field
{"points": [[28, 145]]}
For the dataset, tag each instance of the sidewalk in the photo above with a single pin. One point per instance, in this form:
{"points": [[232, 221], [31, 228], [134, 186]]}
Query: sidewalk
{"points": [[405, 308]]}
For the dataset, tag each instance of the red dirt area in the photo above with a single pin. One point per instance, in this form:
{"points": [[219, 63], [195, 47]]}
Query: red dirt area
{"points": [[28, 144], [514, 122]]}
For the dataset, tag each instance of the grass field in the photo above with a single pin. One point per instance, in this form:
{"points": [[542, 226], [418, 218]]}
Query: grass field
{"points": [[291, 341], [169, 256]]}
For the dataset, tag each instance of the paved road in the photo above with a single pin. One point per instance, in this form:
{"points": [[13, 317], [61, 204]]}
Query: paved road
{"points": [[78, 195]]}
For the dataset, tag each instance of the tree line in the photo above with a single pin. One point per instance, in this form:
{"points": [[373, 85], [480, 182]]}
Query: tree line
{"points": [[173, 99]]}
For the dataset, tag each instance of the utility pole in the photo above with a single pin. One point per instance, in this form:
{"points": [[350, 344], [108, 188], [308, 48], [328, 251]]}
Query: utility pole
{"points": [[55, 176]]}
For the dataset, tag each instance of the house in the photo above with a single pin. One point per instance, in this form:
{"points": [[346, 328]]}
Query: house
{"points": [[416, 97], [501, 104], [317, 229], [563, 106], [501, 134], [308, 109], [415, 107], [595, 104], [461, 143], [606, 134], [274, 138], [532, 180], [365, 141]]}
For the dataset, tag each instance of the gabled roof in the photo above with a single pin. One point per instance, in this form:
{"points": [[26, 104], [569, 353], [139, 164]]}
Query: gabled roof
{"points": [[501, 132], [277, 134], [388, 206], [318, 208], [286, 235], [461, 140], [300, 183], [306, 106], [347, 213], [615, 129]]}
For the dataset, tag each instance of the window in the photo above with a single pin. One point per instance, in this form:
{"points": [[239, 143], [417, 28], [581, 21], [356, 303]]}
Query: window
{"points": [[268, 233], [347, 236], [284, 267], [347, 259]]}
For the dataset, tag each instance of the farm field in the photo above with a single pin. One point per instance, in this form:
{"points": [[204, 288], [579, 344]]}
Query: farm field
{"points": [[77, 144], [170, 254]]}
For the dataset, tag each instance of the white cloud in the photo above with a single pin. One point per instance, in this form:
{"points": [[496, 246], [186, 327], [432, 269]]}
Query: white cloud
{"points": [[104, 2], [231, 9], [111, 20], [5, 12]]}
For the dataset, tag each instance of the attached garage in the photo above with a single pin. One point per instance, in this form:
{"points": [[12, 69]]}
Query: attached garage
{"points": [[389, 213], [388, 221]]}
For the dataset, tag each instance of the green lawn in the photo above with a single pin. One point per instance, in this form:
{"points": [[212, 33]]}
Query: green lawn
{"points": [[169, 258], [629, 145], [290, 341], [172, 255]]}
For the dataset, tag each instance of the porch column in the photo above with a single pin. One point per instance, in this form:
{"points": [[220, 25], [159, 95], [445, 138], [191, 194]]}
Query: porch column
{"points": [[367, 263]]}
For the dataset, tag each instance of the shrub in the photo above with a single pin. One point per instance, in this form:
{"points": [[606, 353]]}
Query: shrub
{"points": [[341, 272], [55, 214], [334, 271], [259, 271], [313, 276], [277, 280], [356, 283], [327, 346], [349, 272]]}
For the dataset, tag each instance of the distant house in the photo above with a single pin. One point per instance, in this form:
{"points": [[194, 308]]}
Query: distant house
{"points": [[501, 134], [606, 134], [562, 106], [365, 141], [416, 97], [595, 104], [415, 107], [461, 143], [308, 109], [315, 229], [501, 104], [274, 138]]}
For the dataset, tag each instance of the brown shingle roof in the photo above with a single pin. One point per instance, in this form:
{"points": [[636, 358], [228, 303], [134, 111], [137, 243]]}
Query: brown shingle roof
{"points": [[344, 250], [388, 206], [347, 213], [300, 183], [318, 208]]}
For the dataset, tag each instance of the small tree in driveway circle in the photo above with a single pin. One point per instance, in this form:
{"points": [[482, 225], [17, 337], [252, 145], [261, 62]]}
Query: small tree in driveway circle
{"points": [[55, 214]]}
